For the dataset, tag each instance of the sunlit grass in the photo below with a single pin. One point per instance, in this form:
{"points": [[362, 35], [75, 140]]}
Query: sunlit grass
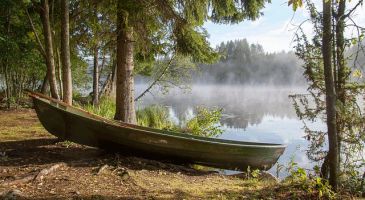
{"points": [[105, 108], [155, 116], [205, 123], [20, 125]]}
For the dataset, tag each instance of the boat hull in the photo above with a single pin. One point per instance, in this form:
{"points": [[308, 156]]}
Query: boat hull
{"points": [[76, 125]]}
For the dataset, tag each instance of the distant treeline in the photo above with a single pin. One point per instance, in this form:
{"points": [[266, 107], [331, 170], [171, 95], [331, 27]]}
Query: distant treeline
{"points": [[244, 63]]}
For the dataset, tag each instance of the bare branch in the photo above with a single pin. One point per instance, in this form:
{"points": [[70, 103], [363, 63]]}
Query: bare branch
{"points": [[359, 46], [360, 2], [156, 80]]}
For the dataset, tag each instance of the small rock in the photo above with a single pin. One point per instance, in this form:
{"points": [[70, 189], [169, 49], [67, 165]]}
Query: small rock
{"points": [[11, 194], [124, 175], [162, 173], [76, 192], [102, 169]]}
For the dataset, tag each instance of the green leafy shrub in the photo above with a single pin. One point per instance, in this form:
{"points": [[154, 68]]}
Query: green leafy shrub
{"points": [[312, 184], [252, 175], [205, 123], [353, 181]]}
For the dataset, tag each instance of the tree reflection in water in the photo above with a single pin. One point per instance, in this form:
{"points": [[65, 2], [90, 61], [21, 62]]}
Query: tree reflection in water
{"points": [[250, 113]]}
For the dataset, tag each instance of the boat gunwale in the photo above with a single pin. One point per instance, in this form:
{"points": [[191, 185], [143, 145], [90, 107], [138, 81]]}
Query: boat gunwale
{"points": [[120, 124]]}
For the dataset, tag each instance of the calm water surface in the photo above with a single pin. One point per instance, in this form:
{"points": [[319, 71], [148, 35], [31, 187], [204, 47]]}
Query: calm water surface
{"points": [[250, 113]]}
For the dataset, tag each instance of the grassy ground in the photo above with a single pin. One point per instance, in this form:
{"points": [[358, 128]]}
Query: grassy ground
{"points": [[89, 173]]}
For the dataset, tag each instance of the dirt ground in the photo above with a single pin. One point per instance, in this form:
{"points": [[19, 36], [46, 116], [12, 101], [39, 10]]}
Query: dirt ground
{"points": [[35, 165]]}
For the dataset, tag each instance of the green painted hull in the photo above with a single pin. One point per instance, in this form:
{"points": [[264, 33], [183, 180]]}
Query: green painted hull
{"points": [[76, 125]]}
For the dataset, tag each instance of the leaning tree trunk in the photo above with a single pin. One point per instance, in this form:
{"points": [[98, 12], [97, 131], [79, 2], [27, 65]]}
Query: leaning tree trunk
{"points": [[96, 77], [44, 85], [108, 86], [65, 53], [330, 94], [125, 110], [44, 14]]}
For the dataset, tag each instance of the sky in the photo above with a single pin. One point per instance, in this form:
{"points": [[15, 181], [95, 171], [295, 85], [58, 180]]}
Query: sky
{"points": [[275, 29]]}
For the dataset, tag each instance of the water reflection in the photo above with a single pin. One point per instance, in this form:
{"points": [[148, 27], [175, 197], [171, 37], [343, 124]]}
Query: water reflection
{"points": [[250, 113], [242, 105]]}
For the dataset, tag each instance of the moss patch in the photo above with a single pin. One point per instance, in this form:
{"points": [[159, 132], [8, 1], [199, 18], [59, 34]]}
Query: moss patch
{"points": [[20, 125]]}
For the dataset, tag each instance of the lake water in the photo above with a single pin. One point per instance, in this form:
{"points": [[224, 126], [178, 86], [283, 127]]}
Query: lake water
{"points": [[250, 113]]}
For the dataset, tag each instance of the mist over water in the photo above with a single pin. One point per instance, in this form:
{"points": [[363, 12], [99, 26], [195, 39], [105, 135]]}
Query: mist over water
{"points": [[250, 113]]}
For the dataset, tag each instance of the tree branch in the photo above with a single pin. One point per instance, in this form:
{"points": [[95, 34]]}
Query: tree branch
{"points": [[40, 46], [359, 46], [156, 80], [360, 2]]}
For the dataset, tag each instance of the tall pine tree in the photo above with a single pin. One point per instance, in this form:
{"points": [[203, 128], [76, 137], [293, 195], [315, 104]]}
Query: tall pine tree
{"points": [[149, 28]]}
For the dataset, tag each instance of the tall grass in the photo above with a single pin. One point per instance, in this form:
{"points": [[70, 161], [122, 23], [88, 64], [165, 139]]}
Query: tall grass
{"points": [[155, 116], [205, 123], [106, 108]]}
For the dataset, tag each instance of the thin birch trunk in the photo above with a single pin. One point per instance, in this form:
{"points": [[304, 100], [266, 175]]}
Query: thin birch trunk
{"points": [[49, 49], [65, 53], [341, 66], [96, 77], [330, 94]]}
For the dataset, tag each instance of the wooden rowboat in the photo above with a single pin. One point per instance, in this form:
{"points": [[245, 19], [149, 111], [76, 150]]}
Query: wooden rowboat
{"points": [[79, 126]]}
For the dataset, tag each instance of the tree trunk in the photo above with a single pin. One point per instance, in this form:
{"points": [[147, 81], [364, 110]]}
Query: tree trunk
{"points": [[58, 72], [45, 84], [40, 46], [341, 66], [330, 94], [96, 77], [6, 65], [108, 84], [44, 14], [102, 66], [65, 53], [125, 110], [7, 90], [113, 84], [340, 41]]}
